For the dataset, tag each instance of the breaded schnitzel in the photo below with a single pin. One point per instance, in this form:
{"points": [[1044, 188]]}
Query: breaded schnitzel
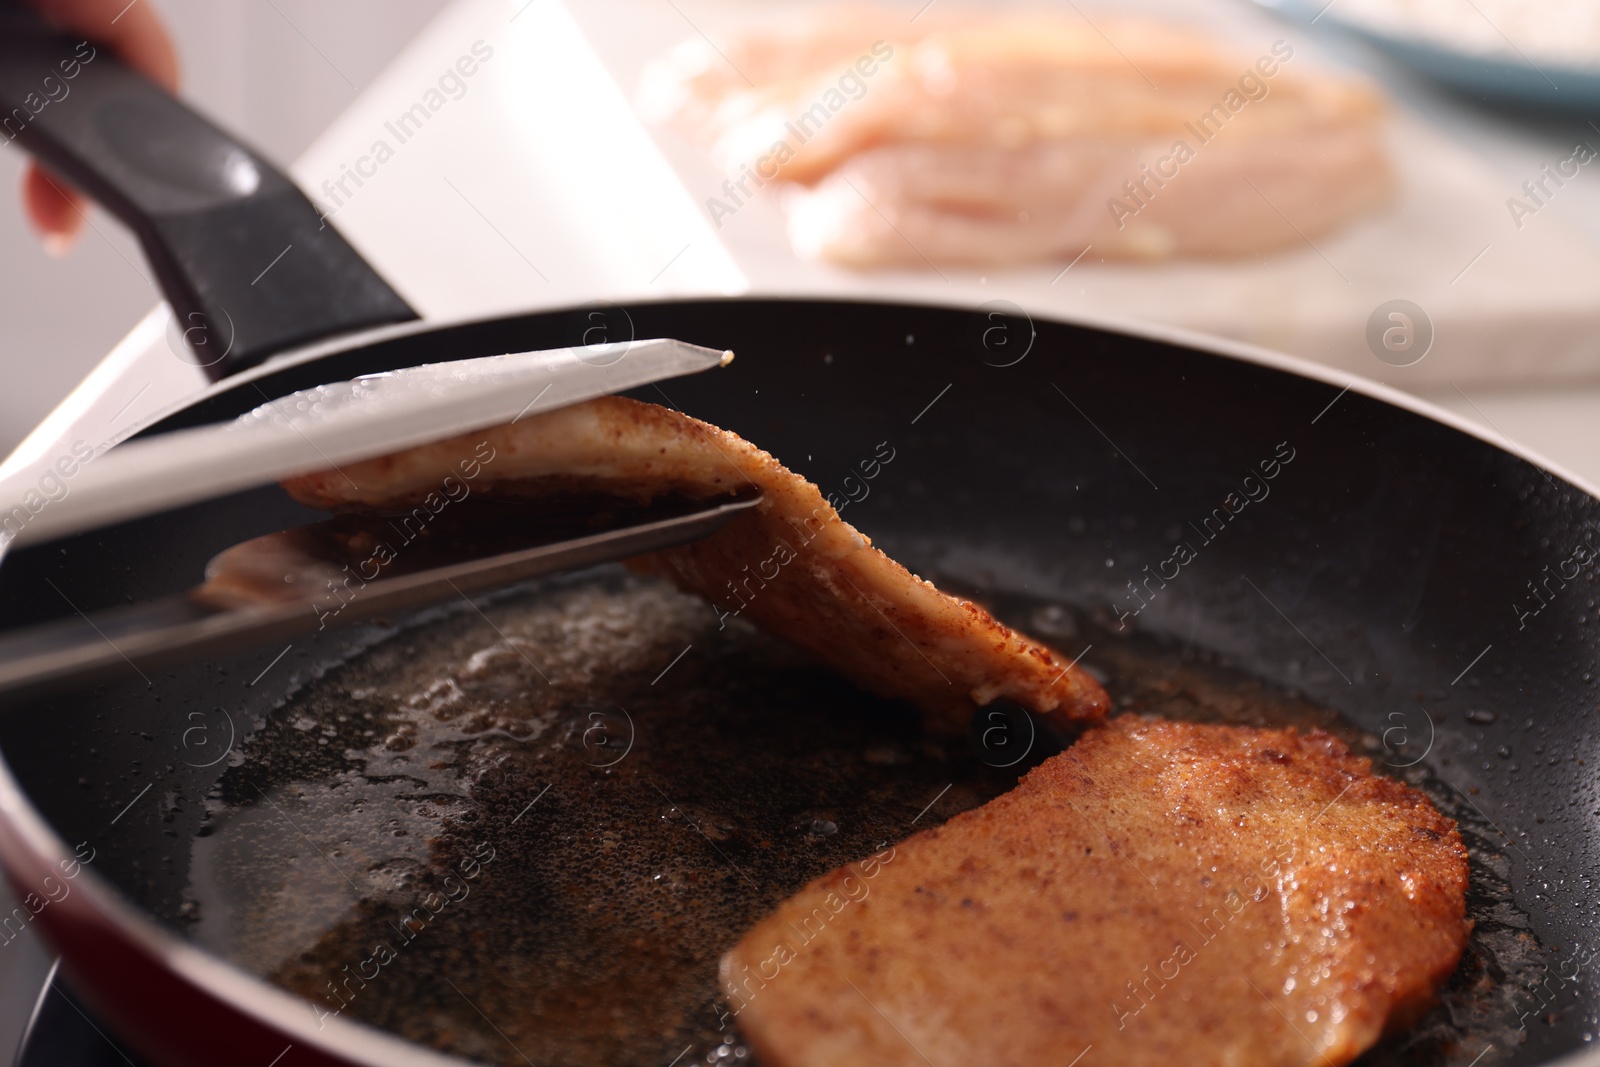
{"points": [[1160, 893], [791, 565]]}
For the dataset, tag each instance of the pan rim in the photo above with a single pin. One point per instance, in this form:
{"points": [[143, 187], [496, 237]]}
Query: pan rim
{"points": [[1176, 336], [99, 903], [30, 848]]}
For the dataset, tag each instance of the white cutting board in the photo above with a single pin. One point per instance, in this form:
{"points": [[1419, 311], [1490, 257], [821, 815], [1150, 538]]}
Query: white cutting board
{"points": [[1506, 304]]}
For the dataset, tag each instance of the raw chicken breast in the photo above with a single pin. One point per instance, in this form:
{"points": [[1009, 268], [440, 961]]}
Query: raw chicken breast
{"points": [[1000, 138]]}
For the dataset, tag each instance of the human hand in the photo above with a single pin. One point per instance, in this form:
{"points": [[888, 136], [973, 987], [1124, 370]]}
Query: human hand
{"points": [[135, 33]]}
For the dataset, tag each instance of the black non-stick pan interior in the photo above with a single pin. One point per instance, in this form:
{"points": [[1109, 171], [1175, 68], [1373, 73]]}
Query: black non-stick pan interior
{"points": [[1394, 568]]}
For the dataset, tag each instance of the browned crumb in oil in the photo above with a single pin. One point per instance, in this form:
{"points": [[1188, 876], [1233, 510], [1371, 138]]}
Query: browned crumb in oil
{"points": [[610, 790], [593, 900]]}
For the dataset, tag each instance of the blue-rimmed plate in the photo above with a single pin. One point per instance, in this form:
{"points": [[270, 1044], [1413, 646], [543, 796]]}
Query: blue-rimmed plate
{"points": [[1506, 79]]}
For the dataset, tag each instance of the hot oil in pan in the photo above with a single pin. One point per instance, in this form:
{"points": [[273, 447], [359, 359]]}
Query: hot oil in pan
{"points": [[528, 834], [616, 790]]}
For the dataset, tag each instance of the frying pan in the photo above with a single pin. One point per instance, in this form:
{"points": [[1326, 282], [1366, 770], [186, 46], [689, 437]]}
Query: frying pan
{"points": [[1403, 570]]}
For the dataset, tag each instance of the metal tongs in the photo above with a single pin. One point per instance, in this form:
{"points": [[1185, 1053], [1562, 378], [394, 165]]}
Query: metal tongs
{"points": [[316, 430]]}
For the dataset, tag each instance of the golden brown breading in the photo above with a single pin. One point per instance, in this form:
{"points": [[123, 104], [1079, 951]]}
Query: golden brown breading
{"points": [[791, 565], [1164, 892]]}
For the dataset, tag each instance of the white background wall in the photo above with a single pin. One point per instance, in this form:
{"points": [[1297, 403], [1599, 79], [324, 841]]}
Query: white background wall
{"points": [[274, 71]]}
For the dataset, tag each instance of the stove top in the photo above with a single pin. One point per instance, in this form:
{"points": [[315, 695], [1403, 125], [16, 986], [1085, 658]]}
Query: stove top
{"points": [[64, 1033], [43, 1022]]}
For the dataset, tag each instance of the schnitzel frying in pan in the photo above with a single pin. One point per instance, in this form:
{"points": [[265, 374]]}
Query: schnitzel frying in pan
{"points": [[792, 567], [1160, 890]]}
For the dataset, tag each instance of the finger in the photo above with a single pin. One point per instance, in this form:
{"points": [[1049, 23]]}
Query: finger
{"points": [[132, 30], [55, 208]]}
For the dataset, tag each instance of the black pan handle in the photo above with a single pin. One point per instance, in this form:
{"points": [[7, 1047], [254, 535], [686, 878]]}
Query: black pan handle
{"points": [[249, 266]]}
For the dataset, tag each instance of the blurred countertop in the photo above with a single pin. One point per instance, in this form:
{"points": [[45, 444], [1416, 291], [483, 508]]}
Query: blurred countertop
{"points": [[534, 186]]}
